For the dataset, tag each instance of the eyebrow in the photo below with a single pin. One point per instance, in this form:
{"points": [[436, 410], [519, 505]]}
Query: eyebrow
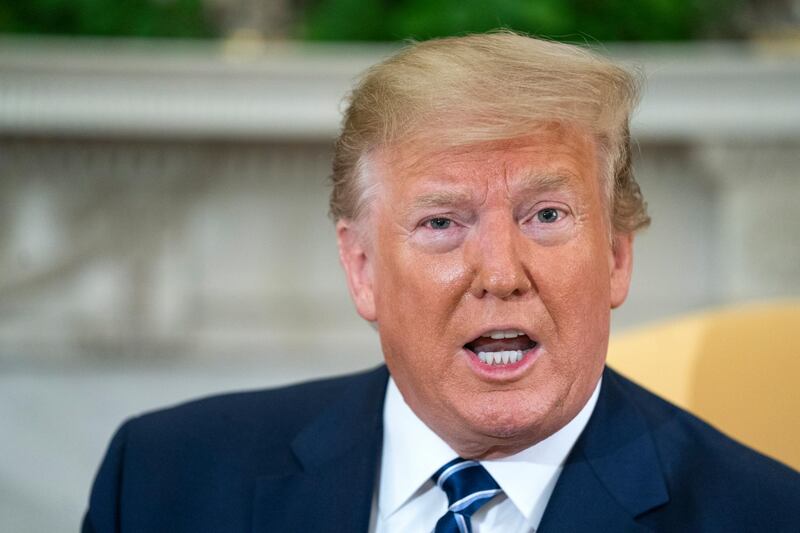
{"points": [[458, 198], [544, 182], [444, 198]]}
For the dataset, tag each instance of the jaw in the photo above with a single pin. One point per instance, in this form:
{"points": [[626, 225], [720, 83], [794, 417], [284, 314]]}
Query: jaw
{"points": [[495, 425], [496, 414]]}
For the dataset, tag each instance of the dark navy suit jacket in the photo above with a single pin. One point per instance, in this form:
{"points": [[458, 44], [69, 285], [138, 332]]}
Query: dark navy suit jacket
{"points": [[304, 459]]}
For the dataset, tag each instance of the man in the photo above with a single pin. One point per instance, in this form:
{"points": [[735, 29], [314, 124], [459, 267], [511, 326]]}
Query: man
{"points": [[485, 210]]}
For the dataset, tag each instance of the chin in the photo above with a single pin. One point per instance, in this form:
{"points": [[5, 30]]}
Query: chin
{"points": [[503, 421]]}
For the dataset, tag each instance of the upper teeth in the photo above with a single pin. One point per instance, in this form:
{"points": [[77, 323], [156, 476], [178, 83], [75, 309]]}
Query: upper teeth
{"points": [[507, 334]]}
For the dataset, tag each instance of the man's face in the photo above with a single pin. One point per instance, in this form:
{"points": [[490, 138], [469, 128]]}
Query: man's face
{"points": [[491, 276]]}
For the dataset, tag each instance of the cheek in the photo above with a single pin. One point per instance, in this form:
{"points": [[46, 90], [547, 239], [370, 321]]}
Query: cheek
{"points": [[417, 297], [425, 285], [573, 274], [586, 264], [575, 289]]}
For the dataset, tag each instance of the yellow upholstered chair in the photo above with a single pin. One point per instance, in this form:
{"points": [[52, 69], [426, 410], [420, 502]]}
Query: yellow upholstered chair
{"points": [[736, 368]]}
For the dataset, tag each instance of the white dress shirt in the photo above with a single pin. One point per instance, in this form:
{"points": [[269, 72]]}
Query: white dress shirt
{"points": [[407, 501]]}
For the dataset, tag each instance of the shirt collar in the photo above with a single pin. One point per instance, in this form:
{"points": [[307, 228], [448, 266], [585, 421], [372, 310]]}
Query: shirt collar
{"points": [[412, 452], [529, 477]]}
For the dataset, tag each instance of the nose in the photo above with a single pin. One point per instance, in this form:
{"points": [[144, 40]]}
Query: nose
{"points": [[497, 257]]}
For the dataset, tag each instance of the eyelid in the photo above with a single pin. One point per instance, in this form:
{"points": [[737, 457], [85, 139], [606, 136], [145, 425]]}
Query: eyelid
{"points": [[452, 217], [426, 222], [546, 204]]}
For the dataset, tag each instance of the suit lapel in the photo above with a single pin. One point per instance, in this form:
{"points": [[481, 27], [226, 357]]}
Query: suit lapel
{"points": [[338, 453], [612, 474]]}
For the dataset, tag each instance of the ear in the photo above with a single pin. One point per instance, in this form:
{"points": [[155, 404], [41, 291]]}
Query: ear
{"points": [[356, 260], [621, 267]]}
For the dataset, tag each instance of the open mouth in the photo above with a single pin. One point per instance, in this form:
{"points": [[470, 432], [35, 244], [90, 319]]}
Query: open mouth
{"points": [[501, 347]]}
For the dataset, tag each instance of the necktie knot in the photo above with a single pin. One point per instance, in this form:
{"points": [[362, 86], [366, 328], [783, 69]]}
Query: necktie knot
{"points": [[468, 486]]}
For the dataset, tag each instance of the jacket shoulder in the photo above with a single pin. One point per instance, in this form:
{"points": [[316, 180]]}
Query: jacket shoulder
{"points": [[192, 467], [275, 415], [712, 476]]}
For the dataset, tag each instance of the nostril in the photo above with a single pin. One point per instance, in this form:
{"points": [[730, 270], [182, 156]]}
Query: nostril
{"points": [[507, 284], [497, 267]]}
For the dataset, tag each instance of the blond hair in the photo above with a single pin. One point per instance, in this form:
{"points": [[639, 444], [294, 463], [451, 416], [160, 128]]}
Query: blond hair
{"points": [[463, 90]]}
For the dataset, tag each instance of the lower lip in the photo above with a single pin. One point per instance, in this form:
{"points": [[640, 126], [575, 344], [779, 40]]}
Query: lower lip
{"points": [[506, 372]]}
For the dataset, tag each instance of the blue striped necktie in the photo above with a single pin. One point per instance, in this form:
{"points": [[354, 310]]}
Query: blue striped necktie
{"points": [[468, 486]]}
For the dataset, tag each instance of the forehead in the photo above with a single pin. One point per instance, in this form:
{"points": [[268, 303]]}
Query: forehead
{"points": [[552, 157]]}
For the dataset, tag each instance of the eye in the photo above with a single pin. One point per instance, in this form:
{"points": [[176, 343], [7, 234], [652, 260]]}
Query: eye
{"points": [[439, 223], [548, 215], [549, 223], [439, 234]]}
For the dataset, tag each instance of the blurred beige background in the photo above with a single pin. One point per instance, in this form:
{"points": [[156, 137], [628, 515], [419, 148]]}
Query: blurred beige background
{"points": [[163, 229]]}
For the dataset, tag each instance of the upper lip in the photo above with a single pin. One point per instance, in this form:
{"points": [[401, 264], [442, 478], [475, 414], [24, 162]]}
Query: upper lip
{"points": [[505, 327]]}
